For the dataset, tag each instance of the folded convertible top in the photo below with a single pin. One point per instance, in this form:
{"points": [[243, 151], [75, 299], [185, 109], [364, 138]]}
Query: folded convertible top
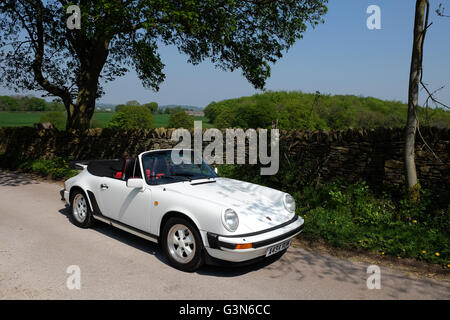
{"points": [[105, 168]]}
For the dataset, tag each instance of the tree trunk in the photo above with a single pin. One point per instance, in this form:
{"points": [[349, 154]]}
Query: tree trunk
{"points": [[79, 117], [79, 114], [412, 183]]}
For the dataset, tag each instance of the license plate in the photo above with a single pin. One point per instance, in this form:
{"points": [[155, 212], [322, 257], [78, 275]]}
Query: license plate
{"points": [[278, 247]]}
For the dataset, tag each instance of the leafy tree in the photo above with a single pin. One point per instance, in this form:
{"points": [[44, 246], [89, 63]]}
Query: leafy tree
{"points": [[119, 107], [173, 110], [152, 106], [26, 103], [226, 120], [212, 110], [132, 103], [339, 117], [39, 52], [35, 104], [8, 104], [57, 118], [181, 119], [56, 105], [130, 117]]}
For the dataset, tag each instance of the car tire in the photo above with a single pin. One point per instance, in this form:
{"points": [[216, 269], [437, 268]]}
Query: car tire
{"points": [[182, 244], [80, 212]]}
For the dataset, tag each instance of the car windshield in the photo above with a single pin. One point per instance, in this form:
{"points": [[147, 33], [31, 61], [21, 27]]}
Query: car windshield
{"points": [[160, 168]]}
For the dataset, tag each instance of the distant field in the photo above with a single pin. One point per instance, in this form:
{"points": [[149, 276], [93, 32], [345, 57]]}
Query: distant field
{"points": [[18, 119], [103, 117], [27, 119]]}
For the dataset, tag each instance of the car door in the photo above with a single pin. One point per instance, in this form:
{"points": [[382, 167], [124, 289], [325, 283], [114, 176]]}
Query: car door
{"points": [[129, 206]]}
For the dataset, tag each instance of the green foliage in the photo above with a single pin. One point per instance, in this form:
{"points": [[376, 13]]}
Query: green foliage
{"points": [[353, 216], [57, 168], [173, 110], [181, 120], [213, 109], [132, 103], [37, 104], [132, 117], [25, 103], [8, 104], [57, 118], [247, 115], [357, 216], [297, 110], [152, 106], [119, 107], [56, 105]]}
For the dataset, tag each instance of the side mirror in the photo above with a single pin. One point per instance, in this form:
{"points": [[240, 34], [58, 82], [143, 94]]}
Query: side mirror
{"points": [[135, 183]]}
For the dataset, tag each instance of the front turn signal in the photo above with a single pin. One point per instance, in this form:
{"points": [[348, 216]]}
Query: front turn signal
{"points": [[244, 246]]}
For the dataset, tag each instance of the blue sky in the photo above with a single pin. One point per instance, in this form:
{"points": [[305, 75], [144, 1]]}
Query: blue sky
{"points": [[339, 57]]}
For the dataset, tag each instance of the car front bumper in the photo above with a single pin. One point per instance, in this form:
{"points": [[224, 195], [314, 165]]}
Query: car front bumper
{"points": [[64, 195], [223, 247]]}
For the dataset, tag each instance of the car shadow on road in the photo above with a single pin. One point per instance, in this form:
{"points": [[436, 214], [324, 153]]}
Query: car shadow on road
{"points": [[235, 271], [122, 236], [10, 179], [155, 250]]}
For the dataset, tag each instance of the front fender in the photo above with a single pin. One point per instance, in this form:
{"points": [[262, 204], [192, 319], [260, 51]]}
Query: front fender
{"points": [[206, 216]]}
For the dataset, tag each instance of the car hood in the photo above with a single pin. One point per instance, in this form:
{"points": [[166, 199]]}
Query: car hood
{"points": [[258, 207]]}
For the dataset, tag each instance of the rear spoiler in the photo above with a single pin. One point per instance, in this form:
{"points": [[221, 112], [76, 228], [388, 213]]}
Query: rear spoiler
{"points": [[82, 164], [79, 165]]}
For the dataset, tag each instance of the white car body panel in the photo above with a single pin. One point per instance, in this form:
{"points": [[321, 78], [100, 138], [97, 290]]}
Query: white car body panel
{"points": [[260, 209], [125, 205]]}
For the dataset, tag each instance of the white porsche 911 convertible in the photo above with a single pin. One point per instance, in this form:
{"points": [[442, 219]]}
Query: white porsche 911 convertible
{"points": [[196, 215]]}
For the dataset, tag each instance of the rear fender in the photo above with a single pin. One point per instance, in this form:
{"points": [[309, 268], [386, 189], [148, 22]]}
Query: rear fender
{"points": [[89, 194]]}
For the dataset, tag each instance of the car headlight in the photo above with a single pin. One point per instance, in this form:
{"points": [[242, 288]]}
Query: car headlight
{"points": [[289, 203], [230, 220]]}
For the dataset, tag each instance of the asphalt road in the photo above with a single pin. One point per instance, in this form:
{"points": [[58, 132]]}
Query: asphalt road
{"points": [[38, 243]]}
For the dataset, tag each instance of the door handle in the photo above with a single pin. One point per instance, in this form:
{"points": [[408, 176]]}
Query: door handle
{"points": [[104, 186]]}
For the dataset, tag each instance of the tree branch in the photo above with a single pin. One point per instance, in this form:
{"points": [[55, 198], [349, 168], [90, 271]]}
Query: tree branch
{"points": [[38, 60], [431, 96], [440, 11]]}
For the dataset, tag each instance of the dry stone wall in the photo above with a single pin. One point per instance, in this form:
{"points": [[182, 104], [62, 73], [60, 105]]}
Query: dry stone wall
{"points": [[372, 155]]}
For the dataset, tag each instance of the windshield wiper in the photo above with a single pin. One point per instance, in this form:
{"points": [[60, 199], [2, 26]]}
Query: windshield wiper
{"points": [[175, 177], [204, 177]]}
